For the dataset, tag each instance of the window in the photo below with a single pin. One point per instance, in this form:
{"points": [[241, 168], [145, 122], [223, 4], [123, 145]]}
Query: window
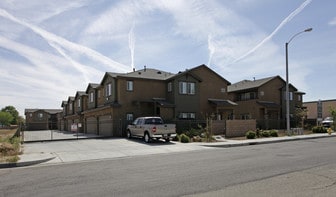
{"points": [[91, 97], [290, 96], [187, 115], [129, 86], [98, 93], [245, 116], [70, 106], [247, 96], [299, 97], [186, 88], [170, 87], [79, 102], [108, 89], [40, 115], [223, 90], [129, 117]]}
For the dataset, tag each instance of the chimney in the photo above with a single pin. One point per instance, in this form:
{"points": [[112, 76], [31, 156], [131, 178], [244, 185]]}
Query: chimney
{"points": [[133, 69], [144, 68]]}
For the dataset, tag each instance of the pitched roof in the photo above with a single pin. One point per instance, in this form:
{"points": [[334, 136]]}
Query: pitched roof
{"points": [[249, 84], [189, 71], [148, 73], [50, 111]]}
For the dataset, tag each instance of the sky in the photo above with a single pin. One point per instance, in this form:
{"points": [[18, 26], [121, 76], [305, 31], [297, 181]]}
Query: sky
{"points": [[51, 49]]}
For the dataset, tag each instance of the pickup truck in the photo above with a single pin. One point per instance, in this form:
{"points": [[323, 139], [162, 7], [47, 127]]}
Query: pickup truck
{"points": [[151, 128]]}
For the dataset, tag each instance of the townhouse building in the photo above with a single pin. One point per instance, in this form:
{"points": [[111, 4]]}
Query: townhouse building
{"points": [[265, 100], [106, 108]]}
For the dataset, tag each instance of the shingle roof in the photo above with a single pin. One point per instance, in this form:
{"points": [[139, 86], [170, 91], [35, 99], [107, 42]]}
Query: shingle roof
{"points": [[50, 111], [148, 73], [249, 84]]}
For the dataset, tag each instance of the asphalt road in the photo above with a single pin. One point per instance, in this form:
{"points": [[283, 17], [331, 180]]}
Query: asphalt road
{"points": [[300, 168]]}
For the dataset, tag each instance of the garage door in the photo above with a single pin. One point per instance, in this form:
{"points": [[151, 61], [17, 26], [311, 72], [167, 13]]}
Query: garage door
{"points": [[62, 125], [91, 125], [69, 125], [105, 126]]}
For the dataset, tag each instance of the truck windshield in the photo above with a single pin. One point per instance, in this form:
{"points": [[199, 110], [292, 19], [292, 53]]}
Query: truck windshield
{"points": [[153, 121]]}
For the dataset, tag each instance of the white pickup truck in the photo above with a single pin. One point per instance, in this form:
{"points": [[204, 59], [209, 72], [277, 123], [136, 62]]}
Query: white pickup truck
{"points": [[151, 128]]}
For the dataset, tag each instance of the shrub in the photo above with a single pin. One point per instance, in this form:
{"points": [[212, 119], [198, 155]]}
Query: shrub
{"points": [[194, 132], [319, 129], [265, 134], [274, 133], [185, 138], [250, 135], [258, 133]]}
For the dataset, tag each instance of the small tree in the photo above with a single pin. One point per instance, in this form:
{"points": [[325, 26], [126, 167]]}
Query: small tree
{"points": [[333, 114], [13, 112], [5, 118]]}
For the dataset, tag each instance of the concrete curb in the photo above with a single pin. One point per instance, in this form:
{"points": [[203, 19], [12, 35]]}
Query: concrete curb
{"points": [[25, 163], [236, 144]]}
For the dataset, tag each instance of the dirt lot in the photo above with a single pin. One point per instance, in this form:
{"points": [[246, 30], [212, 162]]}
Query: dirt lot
{"points": [[9, 148]]}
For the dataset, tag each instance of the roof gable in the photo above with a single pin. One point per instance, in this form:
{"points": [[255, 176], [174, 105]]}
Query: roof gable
{"points": [[249, 84], [91, 86]]}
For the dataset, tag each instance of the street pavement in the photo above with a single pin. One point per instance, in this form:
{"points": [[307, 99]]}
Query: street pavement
{"points": [[57, 152]]}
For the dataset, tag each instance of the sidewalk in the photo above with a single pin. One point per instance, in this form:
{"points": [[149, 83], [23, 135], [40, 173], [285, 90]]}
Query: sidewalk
{"points": [[99, 149]]}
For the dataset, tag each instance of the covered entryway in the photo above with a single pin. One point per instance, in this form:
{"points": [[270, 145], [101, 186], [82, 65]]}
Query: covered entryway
{"points": [[224, 109]]}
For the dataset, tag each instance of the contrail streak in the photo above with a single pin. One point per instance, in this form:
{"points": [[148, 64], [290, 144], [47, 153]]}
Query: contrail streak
{"points": [[284, 22], [67, 44], [211, 48], [131, 44]]}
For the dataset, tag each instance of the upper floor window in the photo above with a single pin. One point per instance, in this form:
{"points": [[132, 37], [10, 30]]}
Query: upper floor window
{"points": [[91, 97], [108, 89], [79, 102], [247, 96], [170, 87], [129, 86], [70, 106], [186, 87], [40, 115], [299, 97], [290, 96]]}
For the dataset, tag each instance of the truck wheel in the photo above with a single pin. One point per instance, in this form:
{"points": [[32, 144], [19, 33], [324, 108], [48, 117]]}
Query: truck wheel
{"points": [[129, 134], [146, 137], [167, 140]]}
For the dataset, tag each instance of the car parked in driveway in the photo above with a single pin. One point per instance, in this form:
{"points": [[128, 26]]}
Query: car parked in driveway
{"points": [[151, 128]]}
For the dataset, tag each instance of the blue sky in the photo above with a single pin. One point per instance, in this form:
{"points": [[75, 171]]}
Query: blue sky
{"points": [[51, 49]]}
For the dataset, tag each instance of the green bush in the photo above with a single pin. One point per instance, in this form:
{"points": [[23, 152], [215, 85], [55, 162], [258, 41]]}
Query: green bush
{"points": [[274, 133], [319, 129], [265, 133], [185, 138], [250, 135], [194, 132]]}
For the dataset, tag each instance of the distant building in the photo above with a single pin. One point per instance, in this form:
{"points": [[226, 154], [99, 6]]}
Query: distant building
{"points": [[42, 119], [319, 110]]}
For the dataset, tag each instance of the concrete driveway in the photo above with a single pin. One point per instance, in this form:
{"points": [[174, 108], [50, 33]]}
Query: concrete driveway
{"points": [[97, 149]]}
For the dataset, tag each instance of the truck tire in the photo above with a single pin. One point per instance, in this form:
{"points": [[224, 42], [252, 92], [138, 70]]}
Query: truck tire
{"points": [[146, 137], [167, 140]]}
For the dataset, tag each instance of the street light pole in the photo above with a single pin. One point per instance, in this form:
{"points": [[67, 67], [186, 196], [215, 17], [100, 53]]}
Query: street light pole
{"points": [[287, 80]]}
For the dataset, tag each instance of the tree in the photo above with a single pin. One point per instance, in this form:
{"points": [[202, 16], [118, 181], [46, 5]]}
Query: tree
{"points": [[13, 112], [333, 114], [5, 118]]}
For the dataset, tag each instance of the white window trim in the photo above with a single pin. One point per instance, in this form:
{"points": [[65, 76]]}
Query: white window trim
{"points": [[129, 85]]}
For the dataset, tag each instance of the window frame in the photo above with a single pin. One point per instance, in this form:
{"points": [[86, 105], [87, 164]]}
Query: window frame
{"points": [[129, 85]]}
